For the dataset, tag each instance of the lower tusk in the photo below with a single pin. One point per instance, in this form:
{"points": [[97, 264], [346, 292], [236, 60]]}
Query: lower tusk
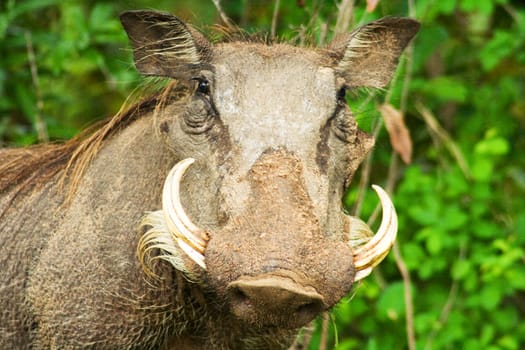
{"points": [[192, 253], [369, 255], [190, 238]]}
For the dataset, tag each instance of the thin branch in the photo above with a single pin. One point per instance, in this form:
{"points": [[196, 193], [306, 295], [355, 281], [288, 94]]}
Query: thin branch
{"points": [[401, 265], [409, 64], [392, 174], [302, 341], [274, 18], [400, 262], [438, 131], [300, 37], [512, 12], [324, 331], [391, 181], [449, 304], [364, 181], [323, 33], [224, 18], [409, 306], [411, 8], [40, 124], [367, 166], [344, 16]]}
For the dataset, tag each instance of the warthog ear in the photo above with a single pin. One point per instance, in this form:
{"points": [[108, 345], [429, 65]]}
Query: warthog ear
{"points": [[369, 55], [163, 45]]}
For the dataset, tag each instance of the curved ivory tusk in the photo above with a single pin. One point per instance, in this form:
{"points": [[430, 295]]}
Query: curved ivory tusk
{"points": [[374, 251], [192, 253], [190, 238]]}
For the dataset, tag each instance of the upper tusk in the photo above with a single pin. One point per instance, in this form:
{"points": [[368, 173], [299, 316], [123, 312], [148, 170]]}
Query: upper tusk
{"points": [[374, 251], [178, 222]]}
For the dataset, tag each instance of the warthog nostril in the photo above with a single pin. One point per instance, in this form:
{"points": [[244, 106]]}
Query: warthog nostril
{"points": [[239, 297], [274, 300], [314, 307]]}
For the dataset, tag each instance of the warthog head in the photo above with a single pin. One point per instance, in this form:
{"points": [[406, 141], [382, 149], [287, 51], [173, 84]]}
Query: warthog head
{"points": [[266, 145]]}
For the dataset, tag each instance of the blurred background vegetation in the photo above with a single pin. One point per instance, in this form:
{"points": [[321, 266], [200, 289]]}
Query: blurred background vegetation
{"points": [[457, 277]]}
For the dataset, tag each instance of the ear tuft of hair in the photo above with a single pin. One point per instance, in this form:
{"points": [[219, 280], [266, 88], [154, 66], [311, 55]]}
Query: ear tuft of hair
{"points": [[370, 54], [163, 45]]}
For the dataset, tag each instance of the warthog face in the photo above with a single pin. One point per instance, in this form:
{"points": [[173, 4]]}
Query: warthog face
{"points": [[273, 145]]}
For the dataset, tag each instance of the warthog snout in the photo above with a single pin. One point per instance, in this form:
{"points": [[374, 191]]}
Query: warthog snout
{"points": [[274, 262], [274, 300]]}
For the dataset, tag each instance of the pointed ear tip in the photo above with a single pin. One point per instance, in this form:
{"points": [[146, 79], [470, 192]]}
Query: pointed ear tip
{"points": [[123, 15], [145, 14], [410, 25], [406, 27], [129, 16], [413, 24], [406, 23], [129, 13]]}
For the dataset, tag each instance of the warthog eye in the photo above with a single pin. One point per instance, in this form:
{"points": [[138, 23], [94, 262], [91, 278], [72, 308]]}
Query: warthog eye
{"points": [[341, 95], [203, 86]]}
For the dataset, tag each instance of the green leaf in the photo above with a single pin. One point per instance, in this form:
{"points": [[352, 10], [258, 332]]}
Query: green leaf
{"points": [[506, 319], [472, 344], [413, 255], [391, 303], [444, 88], [89, 61], [500, 46], [435, 8], [482, 169], [26, 6], [453, 217], [482, 6], [425, 211], [516, 277], [348, 344], [102, 17], [430, 39], [487, 334], [76, 32], [508, 342], [460, 269], [485, 229], [490, 296], [26, 100], [433, 238], [455, 183], [494, 146]]}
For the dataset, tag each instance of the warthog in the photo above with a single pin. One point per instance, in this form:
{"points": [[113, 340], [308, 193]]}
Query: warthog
{"points": [[242, 243]]}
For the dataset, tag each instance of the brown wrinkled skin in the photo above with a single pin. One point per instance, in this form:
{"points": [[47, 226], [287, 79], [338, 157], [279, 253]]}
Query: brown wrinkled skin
{"points": [[274, 147]]}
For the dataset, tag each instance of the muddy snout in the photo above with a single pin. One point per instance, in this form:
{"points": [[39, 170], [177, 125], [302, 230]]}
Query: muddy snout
{"points": [[273, 262], [270, 300]]}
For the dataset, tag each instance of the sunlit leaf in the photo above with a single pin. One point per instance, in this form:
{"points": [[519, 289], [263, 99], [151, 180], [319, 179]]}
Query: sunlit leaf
{"points": [[444, 88], [500, 46], [391, 303]]}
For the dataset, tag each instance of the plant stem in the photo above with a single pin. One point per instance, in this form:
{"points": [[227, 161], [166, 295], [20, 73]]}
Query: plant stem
{"points": [[224, 18], [344, 16], [40, 124], [409, 306], [324, 331], [274, 19]]}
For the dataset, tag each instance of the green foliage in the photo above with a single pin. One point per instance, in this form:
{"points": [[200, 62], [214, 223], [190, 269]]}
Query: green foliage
{"points": [[460, 203], [80, 64]]}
